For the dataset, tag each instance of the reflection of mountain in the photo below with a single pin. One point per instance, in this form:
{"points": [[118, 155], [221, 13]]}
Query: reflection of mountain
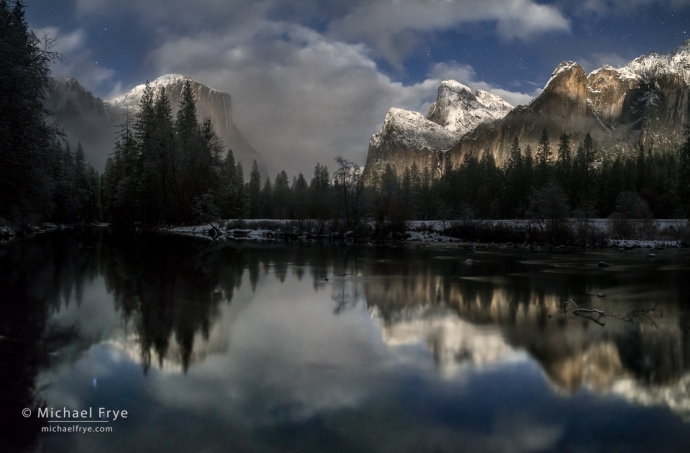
{"points": [[470, 323], [455, 343]]}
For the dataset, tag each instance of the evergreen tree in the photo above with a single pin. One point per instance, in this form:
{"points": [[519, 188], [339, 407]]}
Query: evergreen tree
{"points": [[319, 190], [281, 196], [684, 172], [267, 200], [543, 160], [27, 151], [254, 191], [243, 206], [564, 162], [300, 193]]}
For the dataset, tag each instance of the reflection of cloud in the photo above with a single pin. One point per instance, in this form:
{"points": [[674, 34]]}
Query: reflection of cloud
{"points": [[456, 344], [675, 395]]}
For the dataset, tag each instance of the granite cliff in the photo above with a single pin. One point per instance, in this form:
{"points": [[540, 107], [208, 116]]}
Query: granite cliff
{"points": [[646, 103]]}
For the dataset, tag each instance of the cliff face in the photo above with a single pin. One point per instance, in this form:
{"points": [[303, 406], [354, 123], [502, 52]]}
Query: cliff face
{"points": [[407, 137], [644, 103], [91, 120], [210, 103], [563, 105], [84, 118]]}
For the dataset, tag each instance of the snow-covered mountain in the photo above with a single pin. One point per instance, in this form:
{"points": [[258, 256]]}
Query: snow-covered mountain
{"points": [[210, 103], [459, 110], [91, 120], [646, 103], [408, 137], [643, 103]]}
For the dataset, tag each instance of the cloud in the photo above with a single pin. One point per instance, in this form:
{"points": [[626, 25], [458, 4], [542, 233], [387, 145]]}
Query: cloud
{"points": [[394, 28], [599, 59], [301, 97], [77, 60], [466, 75], [304, 75], [602, 8]]}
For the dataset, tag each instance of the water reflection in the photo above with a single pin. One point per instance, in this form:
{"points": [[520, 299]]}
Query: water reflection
{"points": [[475, 321], [273, 347]]}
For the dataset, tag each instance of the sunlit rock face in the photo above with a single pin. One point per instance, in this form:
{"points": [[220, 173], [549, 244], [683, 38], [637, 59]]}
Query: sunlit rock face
{"points": [[562, 106], [646, 103], [408, 137], [210, 103]]}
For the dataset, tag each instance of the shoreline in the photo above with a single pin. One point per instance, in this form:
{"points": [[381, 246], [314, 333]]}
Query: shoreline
{"points": [[416, 233]]}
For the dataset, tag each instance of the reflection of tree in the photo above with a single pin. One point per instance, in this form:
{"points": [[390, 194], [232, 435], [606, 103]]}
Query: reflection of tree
{"points": [[428, 302], [33, 278], [169, 287]]}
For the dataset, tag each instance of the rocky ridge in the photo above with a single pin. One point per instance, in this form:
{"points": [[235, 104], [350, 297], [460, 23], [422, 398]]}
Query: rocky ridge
{"points": [[210, 103], [92, 120], [408, 137], [646, 103]]}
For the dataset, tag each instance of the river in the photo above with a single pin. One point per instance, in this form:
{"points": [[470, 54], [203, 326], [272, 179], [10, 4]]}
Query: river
{"points": [[274, 347]]}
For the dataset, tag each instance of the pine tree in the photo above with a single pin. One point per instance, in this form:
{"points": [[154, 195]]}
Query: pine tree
{"points": [[543, 159], [267, 200], [300, 192], [254, 191], [281, 196], [319, 189], [589, 155], [27, 154], [684, 171], [564, 162]]}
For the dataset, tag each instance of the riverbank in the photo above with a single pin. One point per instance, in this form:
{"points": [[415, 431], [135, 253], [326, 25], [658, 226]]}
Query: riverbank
{"points": [[570, 233], [567, 234]]}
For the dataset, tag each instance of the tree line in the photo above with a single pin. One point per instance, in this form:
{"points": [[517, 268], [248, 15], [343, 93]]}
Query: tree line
{"points": [[173, 169]]}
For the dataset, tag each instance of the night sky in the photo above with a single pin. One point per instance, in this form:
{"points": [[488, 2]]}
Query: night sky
{"points": [[313, 79]]}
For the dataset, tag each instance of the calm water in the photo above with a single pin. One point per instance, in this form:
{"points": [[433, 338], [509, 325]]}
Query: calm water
{"points": [[243, 347]]}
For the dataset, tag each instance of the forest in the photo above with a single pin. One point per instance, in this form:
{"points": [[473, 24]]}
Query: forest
{"points": [[170, 169]]}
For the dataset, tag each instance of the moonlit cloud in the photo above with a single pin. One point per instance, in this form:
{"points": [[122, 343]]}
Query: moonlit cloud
{"points": [[466, 75], [77, 60], [305, 76], [393, 27], [319, 98], [599, 59], [618, 7]]}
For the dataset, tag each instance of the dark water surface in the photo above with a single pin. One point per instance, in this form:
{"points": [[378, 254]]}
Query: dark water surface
{"points": [[246, 347]]}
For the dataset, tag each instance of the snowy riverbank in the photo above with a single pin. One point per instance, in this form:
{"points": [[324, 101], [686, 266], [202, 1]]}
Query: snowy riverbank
{"points": [[518, 233]]}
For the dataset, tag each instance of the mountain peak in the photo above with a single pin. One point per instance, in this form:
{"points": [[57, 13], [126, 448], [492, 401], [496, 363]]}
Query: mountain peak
{"points": [[171, 78], [457, 109]]}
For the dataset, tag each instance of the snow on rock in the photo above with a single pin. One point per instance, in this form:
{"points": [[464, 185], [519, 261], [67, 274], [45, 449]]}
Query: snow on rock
{"points": [[561, 68], [130, 100], [458, 109], [410, 130], [408, 138], [647, 67]]}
